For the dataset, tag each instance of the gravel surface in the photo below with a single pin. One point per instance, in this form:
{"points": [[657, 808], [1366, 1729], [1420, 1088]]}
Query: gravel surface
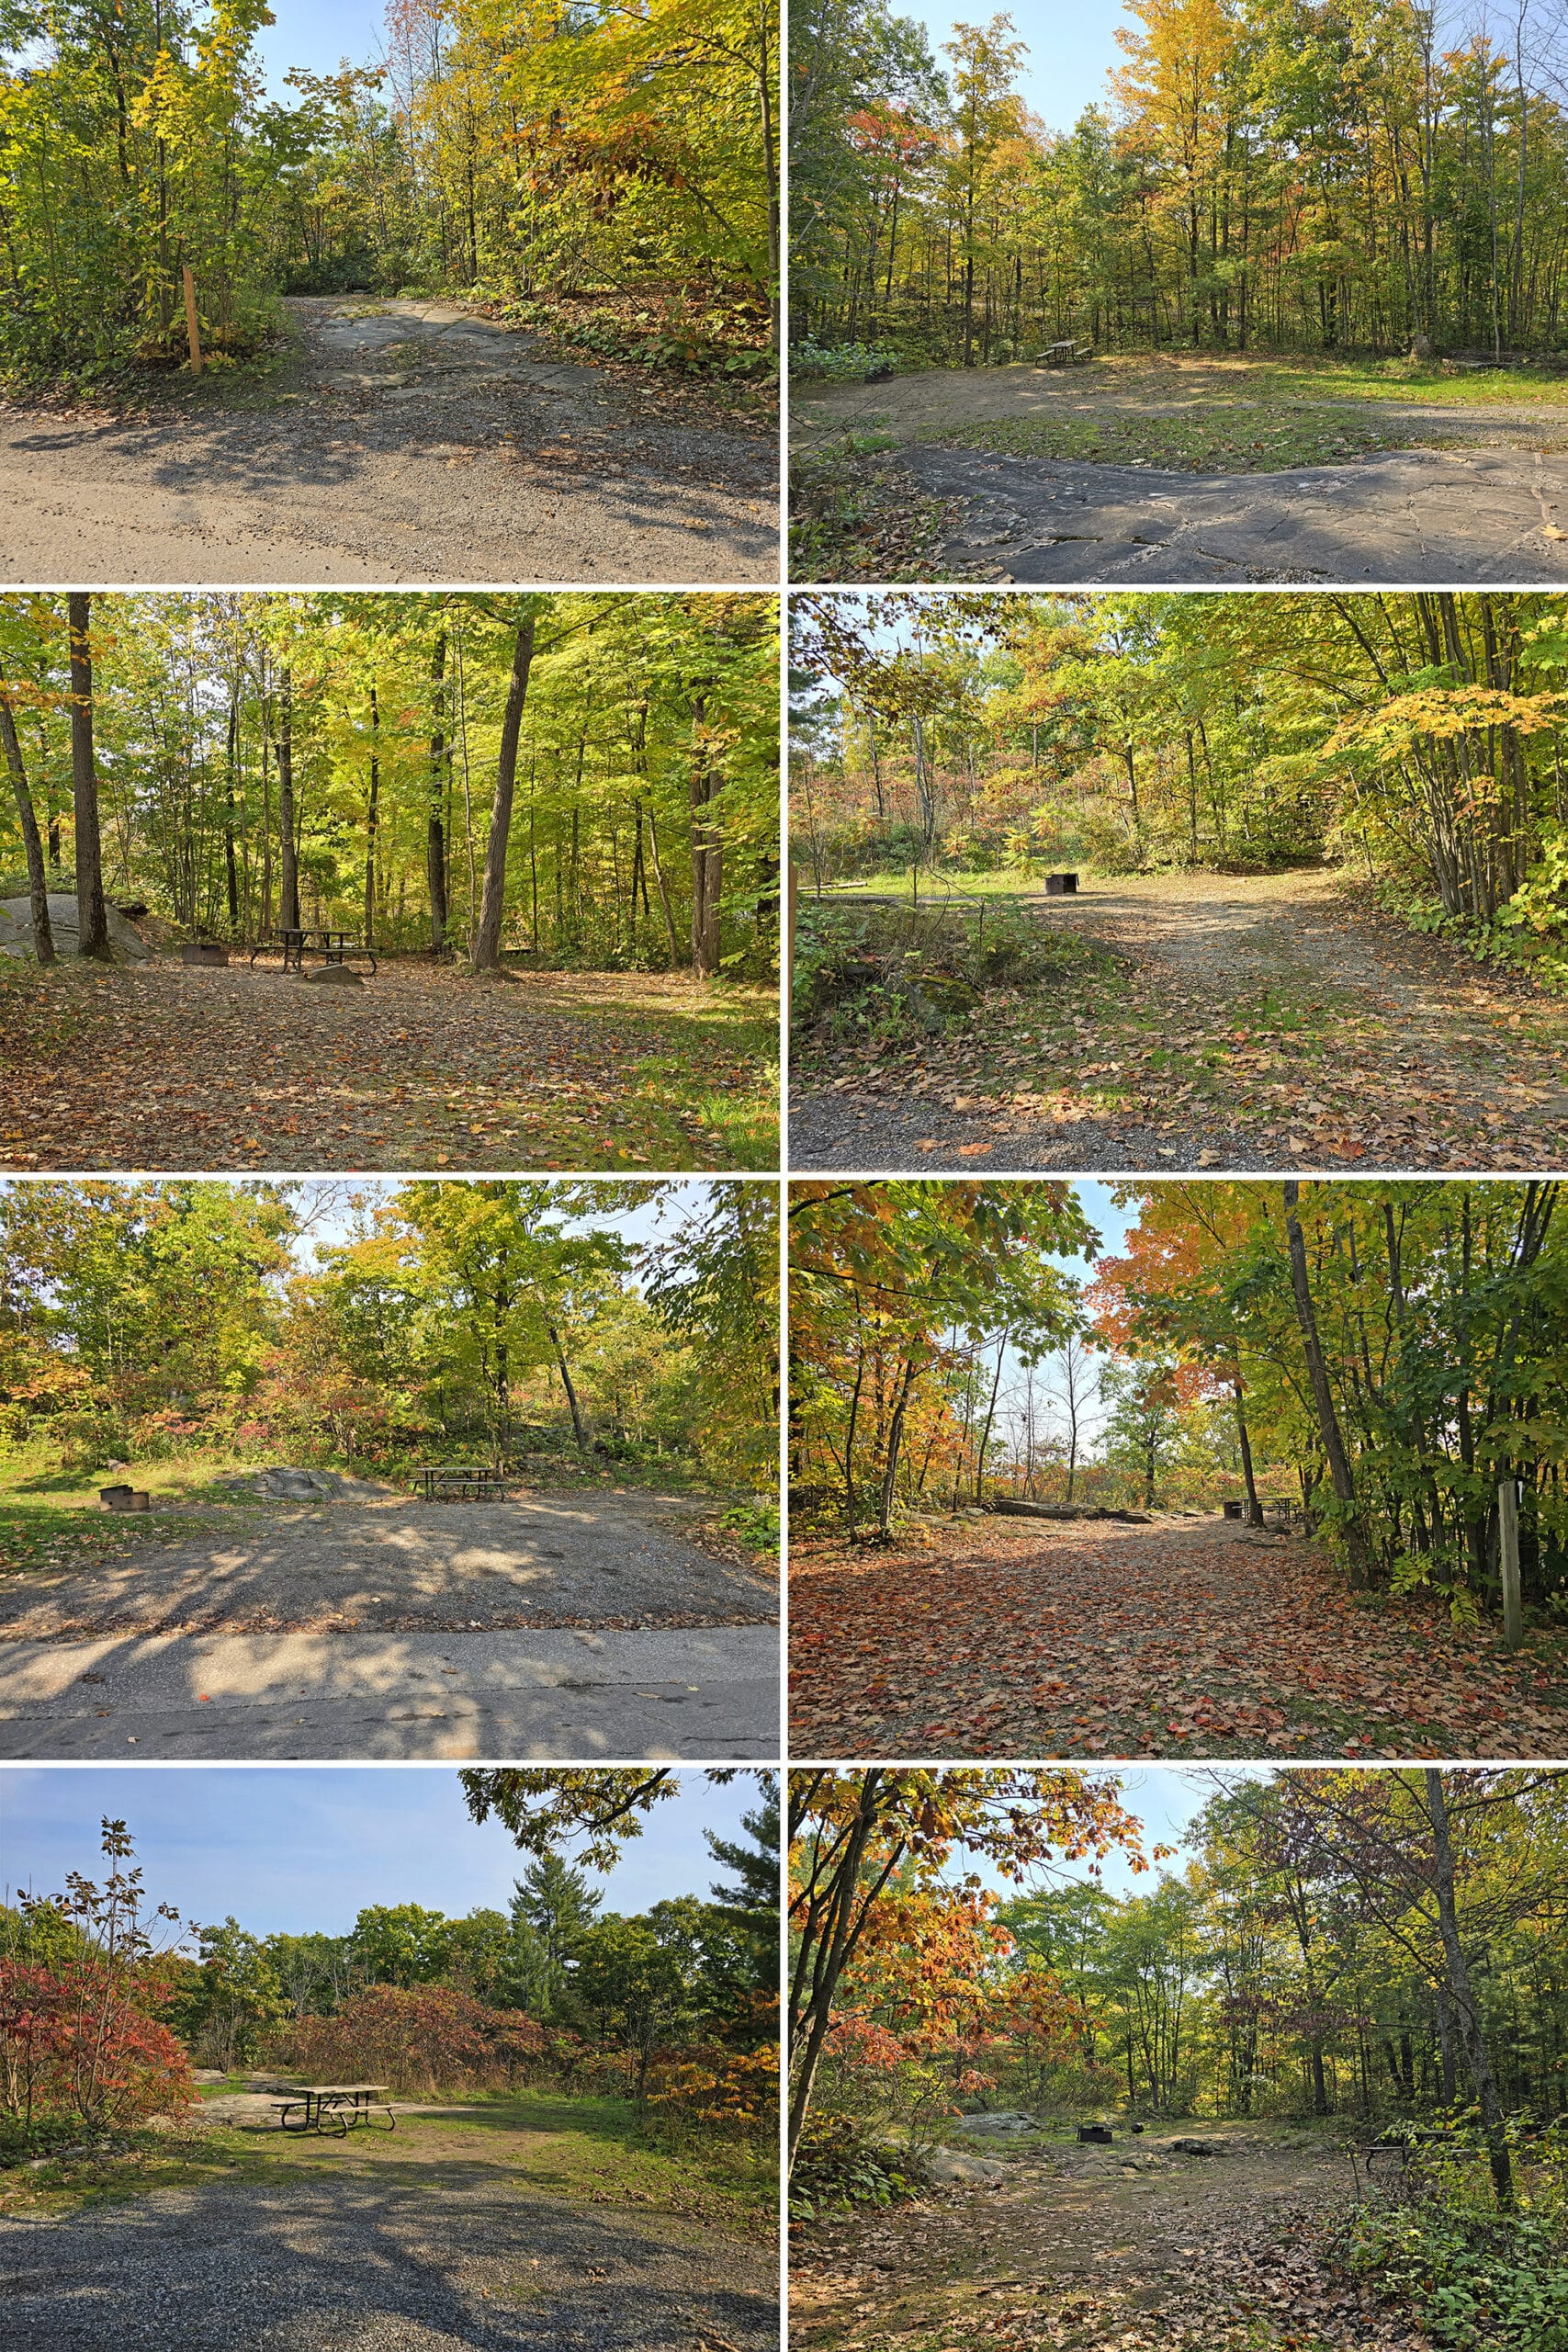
{"points": [[1207, 939], [350, 2264], [403, 1565], [404, 441]]}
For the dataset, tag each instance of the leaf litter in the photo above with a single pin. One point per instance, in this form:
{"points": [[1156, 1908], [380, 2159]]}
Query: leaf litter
{"points": [[1175, 1639]]}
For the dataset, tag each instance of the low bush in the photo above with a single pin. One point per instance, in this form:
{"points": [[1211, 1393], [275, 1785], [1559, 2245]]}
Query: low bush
{"points": [[419, 2041], [842, 363], [896, 974], [1479, 2283], [838, 2166]]}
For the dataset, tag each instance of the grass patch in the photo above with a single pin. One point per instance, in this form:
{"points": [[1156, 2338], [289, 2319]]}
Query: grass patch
{"points": [[1238, 438], [587, 2151]]}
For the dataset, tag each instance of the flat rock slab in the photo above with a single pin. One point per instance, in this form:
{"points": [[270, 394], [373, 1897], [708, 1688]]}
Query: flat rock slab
{"points": [[676, 1695], [400, 1565], [465, 2259], [417, 443], [1414, 517], [126, 943]]}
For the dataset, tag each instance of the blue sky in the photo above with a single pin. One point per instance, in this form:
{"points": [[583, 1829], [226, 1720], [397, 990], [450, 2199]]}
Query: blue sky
{"points": [[319, 38], [1164, 1799], [1070, 51], [290, 1847]]}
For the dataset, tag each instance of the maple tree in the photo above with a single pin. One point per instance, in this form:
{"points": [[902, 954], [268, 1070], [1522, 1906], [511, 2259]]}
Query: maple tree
{"points": [[1284, 177], [869, 1850]]}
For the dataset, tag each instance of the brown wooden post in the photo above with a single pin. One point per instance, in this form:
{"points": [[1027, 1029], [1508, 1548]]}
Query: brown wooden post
{"points": [[1509, 1561], [190, 321]]}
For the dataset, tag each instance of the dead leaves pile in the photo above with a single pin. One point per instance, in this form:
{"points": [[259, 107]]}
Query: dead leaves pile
{"points": [[172, 1067], [1190, 1640]]}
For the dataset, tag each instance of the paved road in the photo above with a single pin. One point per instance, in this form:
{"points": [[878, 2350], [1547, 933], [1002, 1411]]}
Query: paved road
{"points": [[676, 1695], [415, 442], [1414, 517], [465, 2257]]}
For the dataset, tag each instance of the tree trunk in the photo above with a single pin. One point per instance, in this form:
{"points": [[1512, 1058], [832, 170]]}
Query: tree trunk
{"points": [[436, 832], [38, 880], [707, 861], [579, 1429], [492, 898], [288, 861], [372, 819], [1334, 1446], [92, 916], [1254, 1509], [1463, 1997]]}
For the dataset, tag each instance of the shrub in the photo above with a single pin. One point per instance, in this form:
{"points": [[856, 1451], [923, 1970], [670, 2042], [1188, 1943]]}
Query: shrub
{"points": [[729, 2090], [842, 363], [1480, 2283], [837, 2165], [896, 974], [78, 2048], [419, 2039]]}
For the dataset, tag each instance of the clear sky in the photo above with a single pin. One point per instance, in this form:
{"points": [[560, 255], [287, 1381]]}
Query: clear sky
{"points": [[290, 1847], [318, 35], [1071, 50]]}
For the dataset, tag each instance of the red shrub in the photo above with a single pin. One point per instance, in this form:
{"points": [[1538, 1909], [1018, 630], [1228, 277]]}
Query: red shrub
{"points": [[75, 2041], [423, 2038]]}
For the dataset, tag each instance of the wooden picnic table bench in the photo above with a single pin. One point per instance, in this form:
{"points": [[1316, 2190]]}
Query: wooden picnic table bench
{"points": [[462, 1482], [1063, 354], [313, 939], [333, 2107]]}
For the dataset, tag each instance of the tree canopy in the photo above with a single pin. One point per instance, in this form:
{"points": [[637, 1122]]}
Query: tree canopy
{"points": [[1297, 175], [582, 778], [500, 150]]}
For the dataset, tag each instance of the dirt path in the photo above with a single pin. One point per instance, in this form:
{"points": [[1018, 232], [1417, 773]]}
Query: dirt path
{"points": [[1436, 492], [1181, 1638], [169, 1066], [1253, 1021], [1137, 2248], [397, 2260], [400, 442]]}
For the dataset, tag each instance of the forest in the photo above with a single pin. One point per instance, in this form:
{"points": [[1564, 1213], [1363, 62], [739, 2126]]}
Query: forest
{"points": [[199, 1322], [1414, 741], [580, 779], [1298, 177], [1385, 1355], [154, 198], [1334, 1959]]}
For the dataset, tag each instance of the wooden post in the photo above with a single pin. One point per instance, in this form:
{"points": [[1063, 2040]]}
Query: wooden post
{"points": [[190, 321], [1509, 1561]]}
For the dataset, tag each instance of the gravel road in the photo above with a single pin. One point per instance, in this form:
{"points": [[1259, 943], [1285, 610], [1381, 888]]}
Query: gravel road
{"points": [[349, 2265], [402, 442]]}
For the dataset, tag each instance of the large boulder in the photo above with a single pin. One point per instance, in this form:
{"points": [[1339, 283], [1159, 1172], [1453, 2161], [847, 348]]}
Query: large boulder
{"points": [[1001, 2125], [947, 2164], [126, 943], [285, 1484]]}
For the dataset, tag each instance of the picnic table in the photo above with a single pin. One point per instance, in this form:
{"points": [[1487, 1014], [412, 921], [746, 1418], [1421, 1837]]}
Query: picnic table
{"points": [[333, 2107], [1063, 354], [313, 939], [462, 1482]]}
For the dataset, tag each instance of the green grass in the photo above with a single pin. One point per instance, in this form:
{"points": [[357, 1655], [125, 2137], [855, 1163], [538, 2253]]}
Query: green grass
{"points": [[939, 885], [582, 2150], [52, 1519]]}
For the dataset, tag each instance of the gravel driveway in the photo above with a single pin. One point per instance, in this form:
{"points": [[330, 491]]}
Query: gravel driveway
{"points": [[399, 1564], [350, 2264], [403, 442]]}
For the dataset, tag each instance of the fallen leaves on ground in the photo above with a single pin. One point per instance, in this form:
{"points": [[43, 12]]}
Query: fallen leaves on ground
{"points": [[1376, 1049], [1136, 2254], [1183, 1639], [170, 1066]]}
